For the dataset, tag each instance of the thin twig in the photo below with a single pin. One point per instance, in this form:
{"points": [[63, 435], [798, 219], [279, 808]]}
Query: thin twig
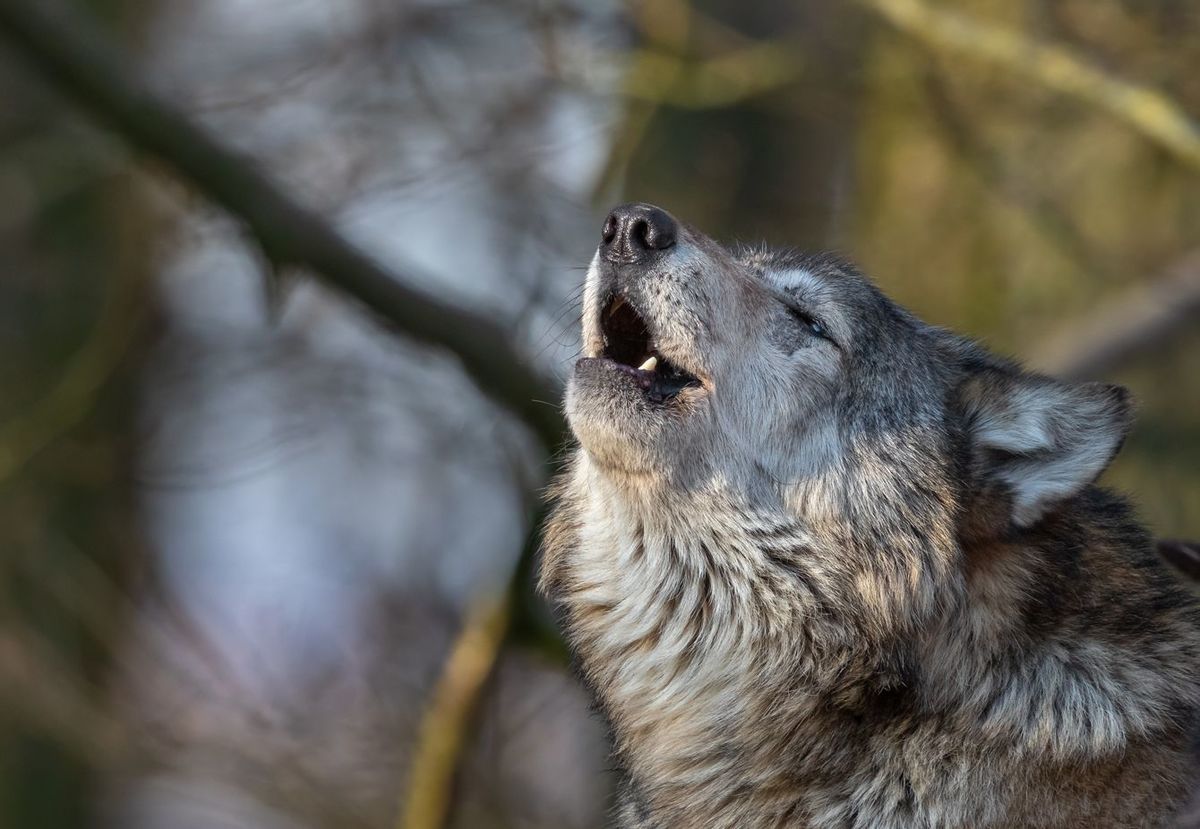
{"points": [[70, 57], [664, 79], [67, 54], [1144, 109], [1126, 326], [1009, 186], [443, 728]]}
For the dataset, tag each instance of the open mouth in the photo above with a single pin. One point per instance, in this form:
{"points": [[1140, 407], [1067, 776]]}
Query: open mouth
{"points": [[629, 346]]}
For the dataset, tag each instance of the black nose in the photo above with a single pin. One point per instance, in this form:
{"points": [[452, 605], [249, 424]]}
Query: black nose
{"points": [[634, 232]]}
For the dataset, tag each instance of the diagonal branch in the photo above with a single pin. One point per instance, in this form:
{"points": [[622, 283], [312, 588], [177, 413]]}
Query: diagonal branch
{"points": [[67, 55], [1145, 109], [1131, 324], [443, 733]]}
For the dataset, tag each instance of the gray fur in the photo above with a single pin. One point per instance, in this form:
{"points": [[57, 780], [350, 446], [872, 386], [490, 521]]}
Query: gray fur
{"points": [[863, 579]]}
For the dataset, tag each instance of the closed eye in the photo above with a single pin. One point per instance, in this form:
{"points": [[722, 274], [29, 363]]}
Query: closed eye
{"points": [[813, 325]]}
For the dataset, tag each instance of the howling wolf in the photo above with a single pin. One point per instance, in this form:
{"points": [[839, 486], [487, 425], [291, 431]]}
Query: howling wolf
{"points": [[825, 565]]}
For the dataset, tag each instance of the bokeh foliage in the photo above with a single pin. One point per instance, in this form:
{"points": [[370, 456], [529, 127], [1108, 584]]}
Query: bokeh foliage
{"points": [[976, 195]]}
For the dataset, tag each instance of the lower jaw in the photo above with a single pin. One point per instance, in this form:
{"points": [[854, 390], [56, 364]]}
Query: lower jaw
{"points": [[656, 389]]}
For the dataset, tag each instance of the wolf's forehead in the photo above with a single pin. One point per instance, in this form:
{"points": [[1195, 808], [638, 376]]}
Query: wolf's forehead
{"points": [[810, 277], [764, 259]]}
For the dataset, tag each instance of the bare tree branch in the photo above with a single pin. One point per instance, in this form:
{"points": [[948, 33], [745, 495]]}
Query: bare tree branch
{"points": [[1128, 325], [1009, 184], [69, 56], [662, 78], [1145, 109], [444, 725]]}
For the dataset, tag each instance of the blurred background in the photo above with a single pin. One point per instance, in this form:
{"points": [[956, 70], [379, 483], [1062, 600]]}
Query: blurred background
{"points": [[264, 554]]}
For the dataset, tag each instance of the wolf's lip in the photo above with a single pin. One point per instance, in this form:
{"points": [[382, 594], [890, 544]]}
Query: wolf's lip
{"points": [[629, 347]]}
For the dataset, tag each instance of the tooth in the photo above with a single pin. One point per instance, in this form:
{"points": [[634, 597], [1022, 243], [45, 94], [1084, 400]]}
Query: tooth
{"points": [[649, 365]]}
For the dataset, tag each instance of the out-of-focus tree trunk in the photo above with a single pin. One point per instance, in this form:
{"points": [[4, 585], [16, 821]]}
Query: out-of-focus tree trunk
{"points": [[75, 241]]}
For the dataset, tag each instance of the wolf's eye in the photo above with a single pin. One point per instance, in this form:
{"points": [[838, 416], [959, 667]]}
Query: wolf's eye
{"points": [[813, 325]]}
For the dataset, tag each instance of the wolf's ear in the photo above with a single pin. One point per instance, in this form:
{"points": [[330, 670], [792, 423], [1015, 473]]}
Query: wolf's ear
{"points": [[1043, 438]]}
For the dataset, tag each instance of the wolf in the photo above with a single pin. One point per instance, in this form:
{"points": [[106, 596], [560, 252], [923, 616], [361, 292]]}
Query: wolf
{"points": [[822, 564]]}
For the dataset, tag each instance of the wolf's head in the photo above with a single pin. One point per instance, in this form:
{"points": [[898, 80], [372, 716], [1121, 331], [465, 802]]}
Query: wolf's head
{"points": [[791, 379]]}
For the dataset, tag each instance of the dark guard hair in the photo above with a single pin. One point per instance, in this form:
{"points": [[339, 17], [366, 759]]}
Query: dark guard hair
{"points": [[825, 565]]}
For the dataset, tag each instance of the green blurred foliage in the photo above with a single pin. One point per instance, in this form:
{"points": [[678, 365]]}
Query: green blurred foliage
{"points": [[73, 239], [978, 199]]}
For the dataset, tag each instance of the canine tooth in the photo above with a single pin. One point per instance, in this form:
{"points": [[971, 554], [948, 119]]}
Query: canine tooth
{"points": [[649, 365]]}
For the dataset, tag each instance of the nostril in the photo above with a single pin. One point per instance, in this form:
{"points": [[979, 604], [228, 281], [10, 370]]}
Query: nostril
{"points": [[610, 228], [639, 234]]}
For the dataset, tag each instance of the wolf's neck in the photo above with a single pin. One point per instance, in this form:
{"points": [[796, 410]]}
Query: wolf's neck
{"points": [[693, 625], [697, 581], [676, 598]]}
